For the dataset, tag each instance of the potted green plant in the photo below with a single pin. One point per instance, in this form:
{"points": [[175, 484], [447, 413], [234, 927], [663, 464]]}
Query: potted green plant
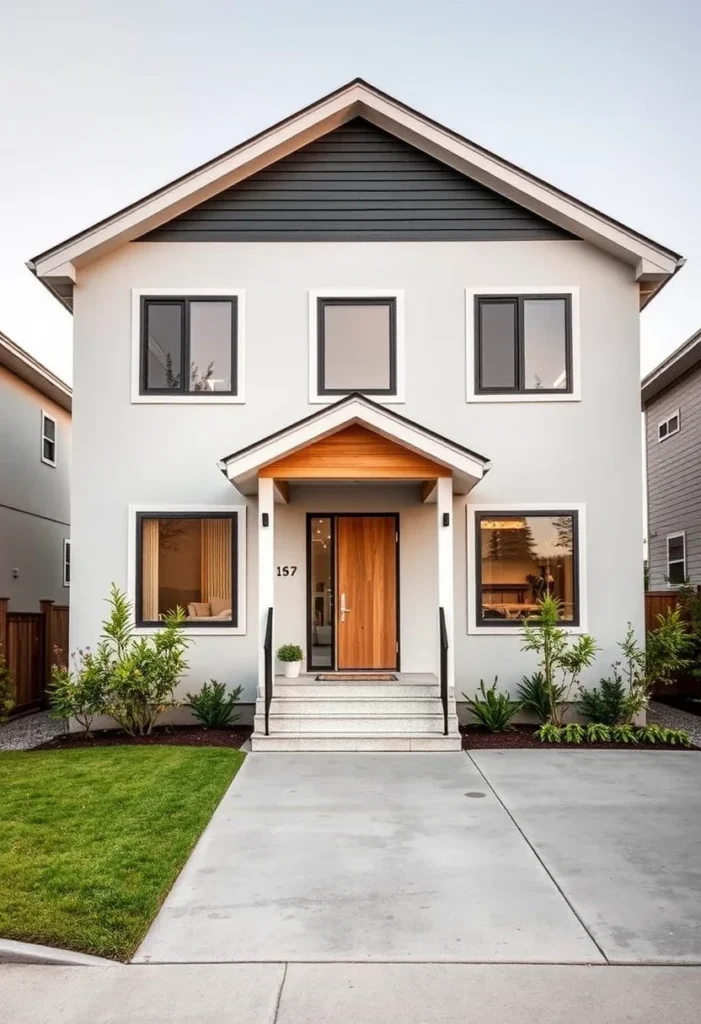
{"points": [[291, 657]]}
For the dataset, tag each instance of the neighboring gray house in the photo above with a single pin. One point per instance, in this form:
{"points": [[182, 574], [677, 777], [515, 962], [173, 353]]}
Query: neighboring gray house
{"points": [[671, 397], [35, 461], [360, 385]]}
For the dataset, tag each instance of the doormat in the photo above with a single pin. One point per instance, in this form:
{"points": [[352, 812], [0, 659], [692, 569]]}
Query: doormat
{"points": [[351, 677]]}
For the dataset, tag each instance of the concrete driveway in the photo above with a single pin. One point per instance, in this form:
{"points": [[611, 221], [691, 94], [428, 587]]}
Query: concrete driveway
{"points": [[511, 857]]}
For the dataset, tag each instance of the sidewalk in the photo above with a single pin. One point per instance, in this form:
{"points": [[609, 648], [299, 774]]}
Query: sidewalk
{"points": [[339, 993]]}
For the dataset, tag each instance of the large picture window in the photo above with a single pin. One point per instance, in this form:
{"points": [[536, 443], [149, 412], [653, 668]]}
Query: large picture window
{"points": [[187, 560], [188, 345], [521, 557], [357, 346], [523, 344]]}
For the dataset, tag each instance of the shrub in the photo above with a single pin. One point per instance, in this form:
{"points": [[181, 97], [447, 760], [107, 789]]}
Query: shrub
{"points": [[598, 732], [665, 653], [535, 695], [573, 732], [80, 692], [624, 733], [652, 733], [289, 652], [7, 691], [680, 736], [492, 709], [607, 703], [213, 707], [549, 733], [561, 660]]}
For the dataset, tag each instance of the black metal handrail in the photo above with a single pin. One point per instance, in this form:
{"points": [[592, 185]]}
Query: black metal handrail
{"points": [[268, 660], [444, 669]]}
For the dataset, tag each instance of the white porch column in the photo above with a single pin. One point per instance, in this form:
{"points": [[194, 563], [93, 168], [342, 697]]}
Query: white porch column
{"points": [[266, 570], [446, 595]]}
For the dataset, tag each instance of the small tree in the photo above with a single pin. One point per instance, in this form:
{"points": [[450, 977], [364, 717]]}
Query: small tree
{"points": [[665, 653], [7, 690], [561, 660], [80, 693]]}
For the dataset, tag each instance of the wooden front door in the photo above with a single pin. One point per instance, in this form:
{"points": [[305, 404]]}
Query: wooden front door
{"points": [[366, 592]]}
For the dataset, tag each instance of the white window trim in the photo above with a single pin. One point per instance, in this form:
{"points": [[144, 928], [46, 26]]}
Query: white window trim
{"points": [[670, 433], [44, 417], [470, 343], [514, 507], [66, 561], [238, 630], [195, 398], [357, 293], [674, 536]]}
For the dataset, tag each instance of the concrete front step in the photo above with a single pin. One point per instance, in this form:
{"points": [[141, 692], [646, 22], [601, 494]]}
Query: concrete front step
{"points": [[377, 742], [306, 688], [368, 705], [353, 725]]}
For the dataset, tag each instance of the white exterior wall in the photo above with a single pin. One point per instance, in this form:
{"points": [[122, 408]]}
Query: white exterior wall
{"points": [[34, 497], [551, 452]]}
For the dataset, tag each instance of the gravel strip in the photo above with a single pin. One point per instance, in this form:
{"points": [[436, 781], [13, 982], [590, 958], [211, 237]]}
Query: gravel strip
{"points": [[29, 731], [673, 718]]}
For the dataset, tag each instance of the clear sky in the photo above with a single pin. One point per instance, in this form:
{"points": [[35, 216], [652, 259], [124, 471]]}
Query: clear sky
{"points": [[102, 102]]}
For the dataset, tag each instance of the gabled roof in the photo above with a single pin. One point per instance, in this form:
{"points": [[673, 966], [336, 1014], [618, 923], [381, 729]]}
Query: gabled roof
{"points": [[32, 372], [242, 466], [671, 369], [653, 263]]}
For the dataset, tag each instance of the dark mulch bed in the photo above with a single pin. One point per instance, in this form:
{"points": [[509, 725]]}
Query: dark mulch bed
{"points": [[523, 736], [169, 736]]}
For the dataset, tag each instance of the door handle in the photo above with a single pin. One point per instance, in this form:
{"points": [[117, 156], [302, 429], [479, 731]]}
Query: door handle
{"points": [[344, 609]]}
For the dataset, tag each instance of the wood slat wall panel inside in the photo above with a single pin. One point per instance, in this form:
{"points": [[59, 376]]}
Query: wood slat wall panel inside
{"points": [[356, 183]]}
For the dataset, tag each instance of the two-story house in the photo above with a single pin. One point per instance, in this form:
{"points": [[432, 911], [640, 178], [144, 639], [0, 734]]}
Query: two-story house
{"points": [[671, 398], [361, 385], [35, 459]]}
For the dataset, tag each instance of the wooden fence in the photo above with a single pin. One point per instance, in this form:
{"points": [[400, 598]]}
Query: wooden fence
{"points": [[32, 642], [657, 602]]}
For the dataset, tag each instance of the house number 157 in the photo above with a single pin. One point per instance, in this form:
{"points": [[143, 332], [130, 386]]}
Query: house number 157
{"points": [[286, 570]]}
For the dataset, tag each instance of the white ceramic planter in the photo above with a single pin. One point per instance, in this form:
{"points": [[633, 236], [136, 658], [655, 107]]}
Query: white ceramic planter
{"points": [[292, 669]]}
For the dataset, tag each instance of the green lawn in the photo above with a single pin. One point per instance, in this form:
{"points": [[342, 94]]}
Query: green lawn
{"points": [[91, 840]]}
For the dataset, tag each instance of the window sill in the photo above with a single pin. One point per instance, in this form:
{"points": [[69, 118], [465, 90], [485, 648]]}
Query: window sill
{"points": [[195, 631], [573, 397], [517, 630], [316, 399], [187, 400]]}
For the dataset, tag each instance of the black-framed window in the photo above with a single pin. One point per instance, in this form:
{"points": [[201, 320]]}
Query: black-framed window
{"points": [[48, 439], [672, 425], [676, 559], [521, 557], [187, 560], [357, 346], [66, 562], [188, 345], [524, 344]]}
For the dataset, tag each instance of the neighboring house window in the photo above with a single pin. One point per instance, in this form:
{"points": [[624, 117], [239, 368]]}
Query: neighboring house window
{"points": [[523, 344], [187, 560], [676, 558], [357, 346], [188, 346], [66, 562], [48, 439], [671, 425], [521, 557]]}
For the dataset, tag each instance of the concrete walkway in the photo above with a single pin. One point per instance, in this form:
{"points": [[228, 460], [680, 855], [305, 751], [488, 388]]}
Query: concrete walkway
{"points": [[364, 857], [339, 993]]}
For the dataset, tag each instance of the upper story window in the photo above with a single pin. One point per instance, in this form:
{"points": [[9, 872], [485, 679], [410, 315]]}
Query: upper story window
{"points": [[676, 558], [188, 345], [66, 562], [672, 425], [523, 344], [356, 344], [48, 439]]}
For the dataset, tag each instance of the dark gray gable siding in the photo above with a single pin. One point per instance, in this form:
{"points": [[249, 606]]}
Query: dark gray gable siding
{"points": [[674, 477], [358, 183]]}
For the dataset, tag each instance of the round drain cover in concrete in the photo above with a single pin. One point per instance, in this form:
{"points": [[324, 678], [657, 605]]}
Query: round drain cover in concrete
{"points": [[475, 796]]}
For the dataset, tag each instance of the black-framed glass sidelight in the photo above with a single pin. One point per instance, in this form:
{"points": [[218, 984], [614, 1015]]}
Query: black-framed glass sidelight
{"points": [[182, 345], [500, 621], [516, 305], [208, 623], [322, 305]]}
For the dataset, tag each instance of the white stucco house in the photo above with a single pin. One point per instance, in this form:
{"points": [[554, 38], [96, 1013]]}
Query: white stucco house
{"points": [[360, 385]]}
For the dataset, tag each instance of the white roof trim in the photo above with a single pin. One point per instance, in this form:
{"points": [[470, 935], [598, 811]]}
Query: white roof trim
{"points": [[651, 260], [241, 468], [32, 372]]}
